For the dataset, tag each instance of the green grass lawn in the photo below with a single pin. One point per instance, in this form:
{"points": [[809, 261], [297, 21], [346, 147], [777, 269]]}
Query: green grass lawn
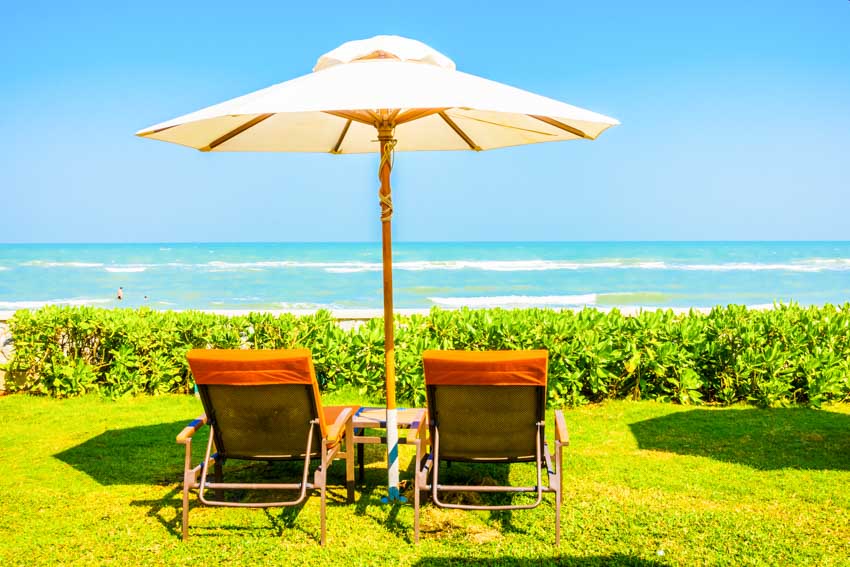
{"points": [[94, 481]]}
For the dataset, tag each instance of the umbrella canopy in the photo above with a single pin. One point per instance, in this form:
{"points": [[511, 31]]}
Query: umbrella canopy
{"points": [[336, 108], [416, 100]]}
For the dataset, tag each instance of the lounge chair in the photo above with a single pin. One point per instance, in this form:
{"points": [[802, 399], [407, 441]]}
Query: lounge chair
{"points": [[488, 407], [263, 405]]}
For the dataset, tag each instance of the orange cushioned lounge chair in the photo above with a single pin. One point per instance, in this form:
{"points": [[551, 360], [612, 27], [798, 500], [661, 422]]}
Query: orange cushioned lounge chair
{"points": [[264, 405], [489, 407]]}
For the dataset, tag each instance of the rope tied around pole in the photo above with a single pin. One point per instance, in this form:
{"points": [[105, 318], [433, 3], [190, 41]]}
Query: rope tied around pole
{"points": [[386, 200]]}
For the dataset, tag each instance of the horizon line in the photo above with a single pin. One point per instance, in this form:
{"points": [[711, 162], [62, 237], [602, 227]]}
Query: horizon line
{"points": [[651, 241]]}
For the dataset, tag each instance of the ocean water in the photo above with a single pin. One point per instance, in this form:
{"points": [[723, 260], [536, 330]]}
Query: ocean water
{"points": [[273, 276]]}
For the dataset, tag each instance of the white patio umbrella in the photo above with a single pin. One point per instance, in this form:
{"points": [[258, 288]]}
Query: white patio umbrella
{"points": [[413, 98]]}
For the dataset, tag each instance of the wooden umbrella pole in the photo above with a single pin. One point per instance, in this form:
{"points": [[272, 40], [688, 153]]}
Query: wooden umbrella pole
{"points": [[385, 137]]}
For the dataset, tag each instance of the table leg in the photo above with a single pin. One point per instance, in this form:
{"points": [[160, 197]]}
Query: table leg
{"points": [[361, 461]]}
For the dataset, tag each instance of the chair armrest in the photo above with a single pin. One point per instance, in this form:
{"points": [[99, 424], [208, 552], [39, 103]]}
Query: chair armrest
{"points": [[561, 434], [344, 416], [337, 429], [421, 431], [186, 435]]}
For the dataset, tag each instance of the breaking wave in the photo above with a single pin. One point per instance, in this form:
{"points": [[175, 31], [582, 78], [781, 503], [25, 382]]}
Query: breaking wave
{"points": [[126, 269], [35, 304], [349, 267]]}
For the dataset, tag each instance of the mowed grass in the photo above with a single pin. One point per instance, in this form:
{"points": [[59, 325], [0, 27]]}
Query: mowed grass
{"points": [[93, 481]]}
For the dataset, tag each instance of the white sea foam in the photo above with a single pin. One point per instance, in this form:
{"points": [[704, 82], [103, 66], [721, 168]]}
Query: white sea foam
{"points": [[802, 266], [126, 269], [45, 264], [349, 267], [810, 265], [35, 304], [516, 301]]}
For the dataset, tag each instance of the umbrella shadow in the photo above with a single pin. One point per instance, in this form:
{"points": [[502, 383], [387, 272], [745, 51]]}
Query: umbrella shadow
{"points": [[763, 439], [617, 559]]}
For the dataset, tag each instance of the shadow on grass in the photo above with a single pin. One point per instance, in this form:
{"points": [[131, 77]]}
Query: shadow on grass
{"points": [[167, 510], [490, 474], [600, 560], [147, 454], [480, 474], [764, 439], [172, 501]]}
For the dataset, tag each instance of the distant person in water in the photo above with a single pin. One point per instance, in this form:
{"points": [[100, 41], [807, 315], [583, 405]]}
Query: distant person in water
{"points": [[120, 293]]}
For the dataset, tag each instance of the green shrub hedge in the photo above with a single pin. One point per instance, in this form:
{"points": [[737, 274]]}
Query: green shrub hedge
{"points": [[786, 355]]}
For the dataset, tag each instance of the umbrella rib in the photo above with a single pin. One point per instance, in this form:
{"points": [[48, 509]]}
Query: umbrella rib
{"points": [[355, 115], [562, 126], [472, 145], [235, 132], [509, 126], [341, 137], [156, 131], [412, 114]]}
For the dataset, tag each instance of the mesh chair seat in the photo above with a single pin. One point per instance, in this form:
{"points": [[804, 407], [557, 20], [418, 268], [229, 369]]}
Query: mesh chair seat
{"points": [[488, 407], [264, 405]]}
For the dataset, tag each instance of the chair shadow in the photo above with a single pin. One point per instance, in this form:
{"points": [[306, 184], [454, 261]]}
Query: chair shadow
{"points": [[480, 474], [147, 454], [616, 559], [280, 519], [172, 501], [763, 439]]}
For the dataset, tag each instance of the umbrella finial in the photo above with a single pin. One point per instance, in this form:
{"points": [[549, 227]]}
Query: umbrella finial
{"points": [[384, 47]]}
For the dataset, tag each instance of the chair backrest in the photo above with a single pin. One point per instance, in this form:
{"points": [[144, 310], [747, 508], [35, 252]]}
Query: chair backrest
{"points": [[486, 404], [260, 402]]}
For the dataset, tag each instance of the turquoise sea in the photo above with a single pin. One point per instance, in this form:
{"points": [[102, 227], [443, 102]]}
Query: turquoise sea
{"points": [[248, 276]]}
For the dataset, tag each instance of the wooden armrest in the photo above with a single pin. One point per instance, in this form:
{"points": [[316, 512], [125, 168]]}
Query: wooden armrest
{"points": [[186, 435], [337, 429], [422, 429], [561, 434], [344, 416]]}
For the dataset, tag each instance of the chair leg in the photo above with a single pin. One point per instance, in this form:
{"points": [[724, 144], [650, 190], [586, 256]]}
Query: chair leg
{"points": [[185, 511], [324, 501], [559, 495], [361, 462], [558, 519], [416, 497], [417, 489], [188, 480], [322, 477]]}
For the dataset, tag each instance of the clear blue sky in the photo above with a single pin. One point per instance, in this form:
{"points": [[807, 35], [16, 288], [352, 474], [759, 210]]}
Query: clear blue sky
{"points": [[735, 122]]}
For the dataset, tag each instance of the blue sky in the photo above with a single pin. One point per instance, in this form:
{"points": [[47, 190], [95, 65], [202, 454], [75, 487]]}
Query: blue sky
{"points": [[735, 122]]}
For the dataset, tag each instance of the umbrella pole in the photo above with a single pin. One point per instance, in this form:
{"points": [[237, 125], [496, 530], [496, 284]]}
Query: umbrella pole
{"points": [[385, 137]]}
